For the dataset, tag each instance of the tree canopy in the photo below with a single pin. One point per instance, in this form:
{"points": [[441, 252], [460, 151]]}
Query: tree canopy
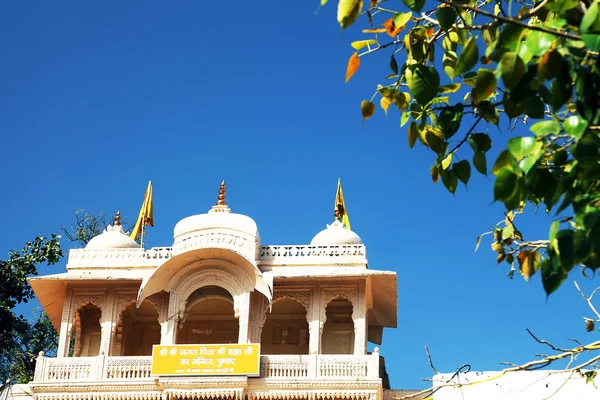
{"points": [[22, 339], [460, 71]]}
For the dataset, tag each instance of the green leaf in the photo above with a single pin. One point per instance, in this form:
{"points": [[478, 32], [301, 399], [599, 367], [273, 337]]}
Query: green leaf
{"points": [[552, 236], [446, 16], [480, 162], [485, 84], [394, 65], [488, 111], [521, 147], [550, 64], [511, 108], [505, 160], [505, 184], [534, 108], [413, 133], [450, 88], [561, 6], [513, 69], [400, 19], [467, 58], [550, 127], [434, 138], [450, 180], [566, 250], [575, 126], [415, 5], [592, 41], [404, 119], [423, 82], [462, 170], [552, 274], [538, 43], [480, 142], [362, 43], [509, 188], [449, 119], [591, 19]]}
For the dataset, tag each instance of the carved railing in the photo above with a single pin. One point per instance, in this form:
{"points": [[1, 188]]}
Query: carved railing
{"points": [[314, 255], [351, 254], [128, 368], [102, 368], [115, 258]]}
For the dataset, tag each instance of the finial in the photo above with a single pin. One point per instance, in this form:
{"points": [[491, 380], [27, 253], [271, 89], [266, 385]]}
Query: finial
{"points": [[118, 218], [222, 192]]}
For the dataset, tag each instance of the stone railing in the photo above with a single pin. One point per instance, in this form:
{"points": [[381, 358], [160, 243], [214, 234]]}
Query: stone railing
{"points": [[70, 369], [118, 258], [102, 368], [354, 254], [313, 255]]}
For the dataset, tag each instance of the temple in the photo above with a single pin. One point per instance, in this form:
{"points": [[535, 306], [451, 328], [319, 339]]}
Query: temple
{"points": [[308, 310]]}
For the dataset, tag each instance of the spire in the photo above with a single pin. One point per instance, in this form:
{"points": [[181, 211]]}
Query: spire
{"points": [[222, 191], [221, 205], [118, 218]]}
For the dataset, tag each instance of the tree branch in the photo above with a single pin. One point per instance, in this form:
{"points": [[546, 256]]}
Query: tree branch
{"points": [[512, 20]]}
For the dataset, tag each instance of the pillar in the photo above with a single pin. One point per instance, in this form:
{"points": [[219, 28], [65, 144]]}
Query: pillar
{"points": [[242, 313]]}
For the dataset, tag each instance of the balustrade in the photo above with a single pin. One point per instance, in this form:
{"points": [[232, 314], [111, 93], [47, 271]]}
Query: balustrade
{"points": [[317, 366]]}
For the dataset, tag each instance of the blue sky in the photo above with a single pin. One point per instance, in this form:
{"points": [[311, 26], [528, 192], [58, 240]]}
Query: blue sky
{"points": [[97, 98]]}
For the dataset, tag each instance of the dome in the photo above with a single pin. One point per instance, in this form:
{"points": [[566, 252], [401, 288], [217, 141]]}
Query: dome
{"points": [[335, 234], [218, 218], [113, 237]]}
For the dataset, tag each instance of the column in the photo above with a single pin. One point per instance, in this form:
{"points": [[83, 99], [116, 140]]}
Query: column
{"points": [[65, 326], [168, 327], [314, 324], [360, 322], [106, 322], [242, 312]]}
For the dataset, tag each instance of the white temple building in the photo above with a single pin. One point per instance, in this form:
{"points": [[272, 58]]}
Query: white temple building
{"points": [[307, 310]]}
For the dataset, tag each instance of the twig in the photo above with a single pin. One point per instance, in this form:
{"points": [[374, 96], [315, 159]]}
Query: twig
{"points": [[430, 361], [512, 21], [589, 299], [545, 342], [466, 136]]}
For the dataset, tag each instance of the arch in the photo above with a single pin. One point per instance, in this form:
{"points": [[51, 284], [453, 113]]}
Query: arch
{"points": [[134, 335], [84, 303], [201, 276], [208, 318], [277, 299], [285, 329], [338, 333], [87, 329], [167, 276]]}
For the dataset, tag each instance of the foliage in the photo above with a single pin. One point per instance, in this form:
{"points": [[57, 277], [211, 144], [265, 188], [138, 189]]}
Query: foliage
{"points": [[20, 340], [29, 339], [471, 65], [89, 224]]}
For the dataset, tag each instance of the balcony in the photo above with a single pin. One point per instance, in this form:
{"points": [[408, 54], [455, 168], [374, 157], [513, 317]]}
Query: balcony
{"points": [[272, 367]]}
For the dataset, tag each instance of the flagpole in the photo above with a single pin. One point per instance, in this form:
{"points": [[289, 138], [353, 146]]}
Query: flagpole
{"points": [[143, 223]]}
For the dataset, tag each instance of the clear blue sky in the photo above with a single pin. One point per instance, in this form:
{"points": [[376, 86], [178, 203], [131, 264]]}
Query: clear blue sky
{"points": [[97, 98]]}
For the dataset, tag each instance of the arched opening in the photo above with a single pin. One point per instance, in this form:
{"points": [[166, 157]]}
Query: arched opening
{"points": [[338, 331], [137, 330], [285, 330], [86, 333], [209, 318]]}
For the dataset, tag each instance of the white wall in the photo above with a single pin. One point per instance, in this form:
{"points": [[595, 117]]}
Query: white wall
{"points": [[534, 385]]}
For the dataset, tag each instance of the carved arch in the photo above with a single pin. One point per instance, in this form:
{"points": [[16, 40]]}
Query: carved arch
{"points": [[277, 298]]}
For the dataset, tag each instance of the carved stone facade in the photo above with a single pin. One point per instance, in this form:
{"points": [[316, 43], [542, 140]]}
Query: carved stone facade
{"points": [[310, 297]]}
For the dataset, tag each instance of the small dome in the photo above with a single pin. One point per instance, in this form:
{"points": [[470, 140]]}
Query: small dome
{"points": [[113, 237], [335, 234], [219, 219]]}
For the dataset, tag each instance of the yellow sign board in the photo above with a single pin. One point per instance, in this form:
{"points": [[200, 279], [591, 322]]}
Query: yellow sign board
{"points": [[206, 359]]}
